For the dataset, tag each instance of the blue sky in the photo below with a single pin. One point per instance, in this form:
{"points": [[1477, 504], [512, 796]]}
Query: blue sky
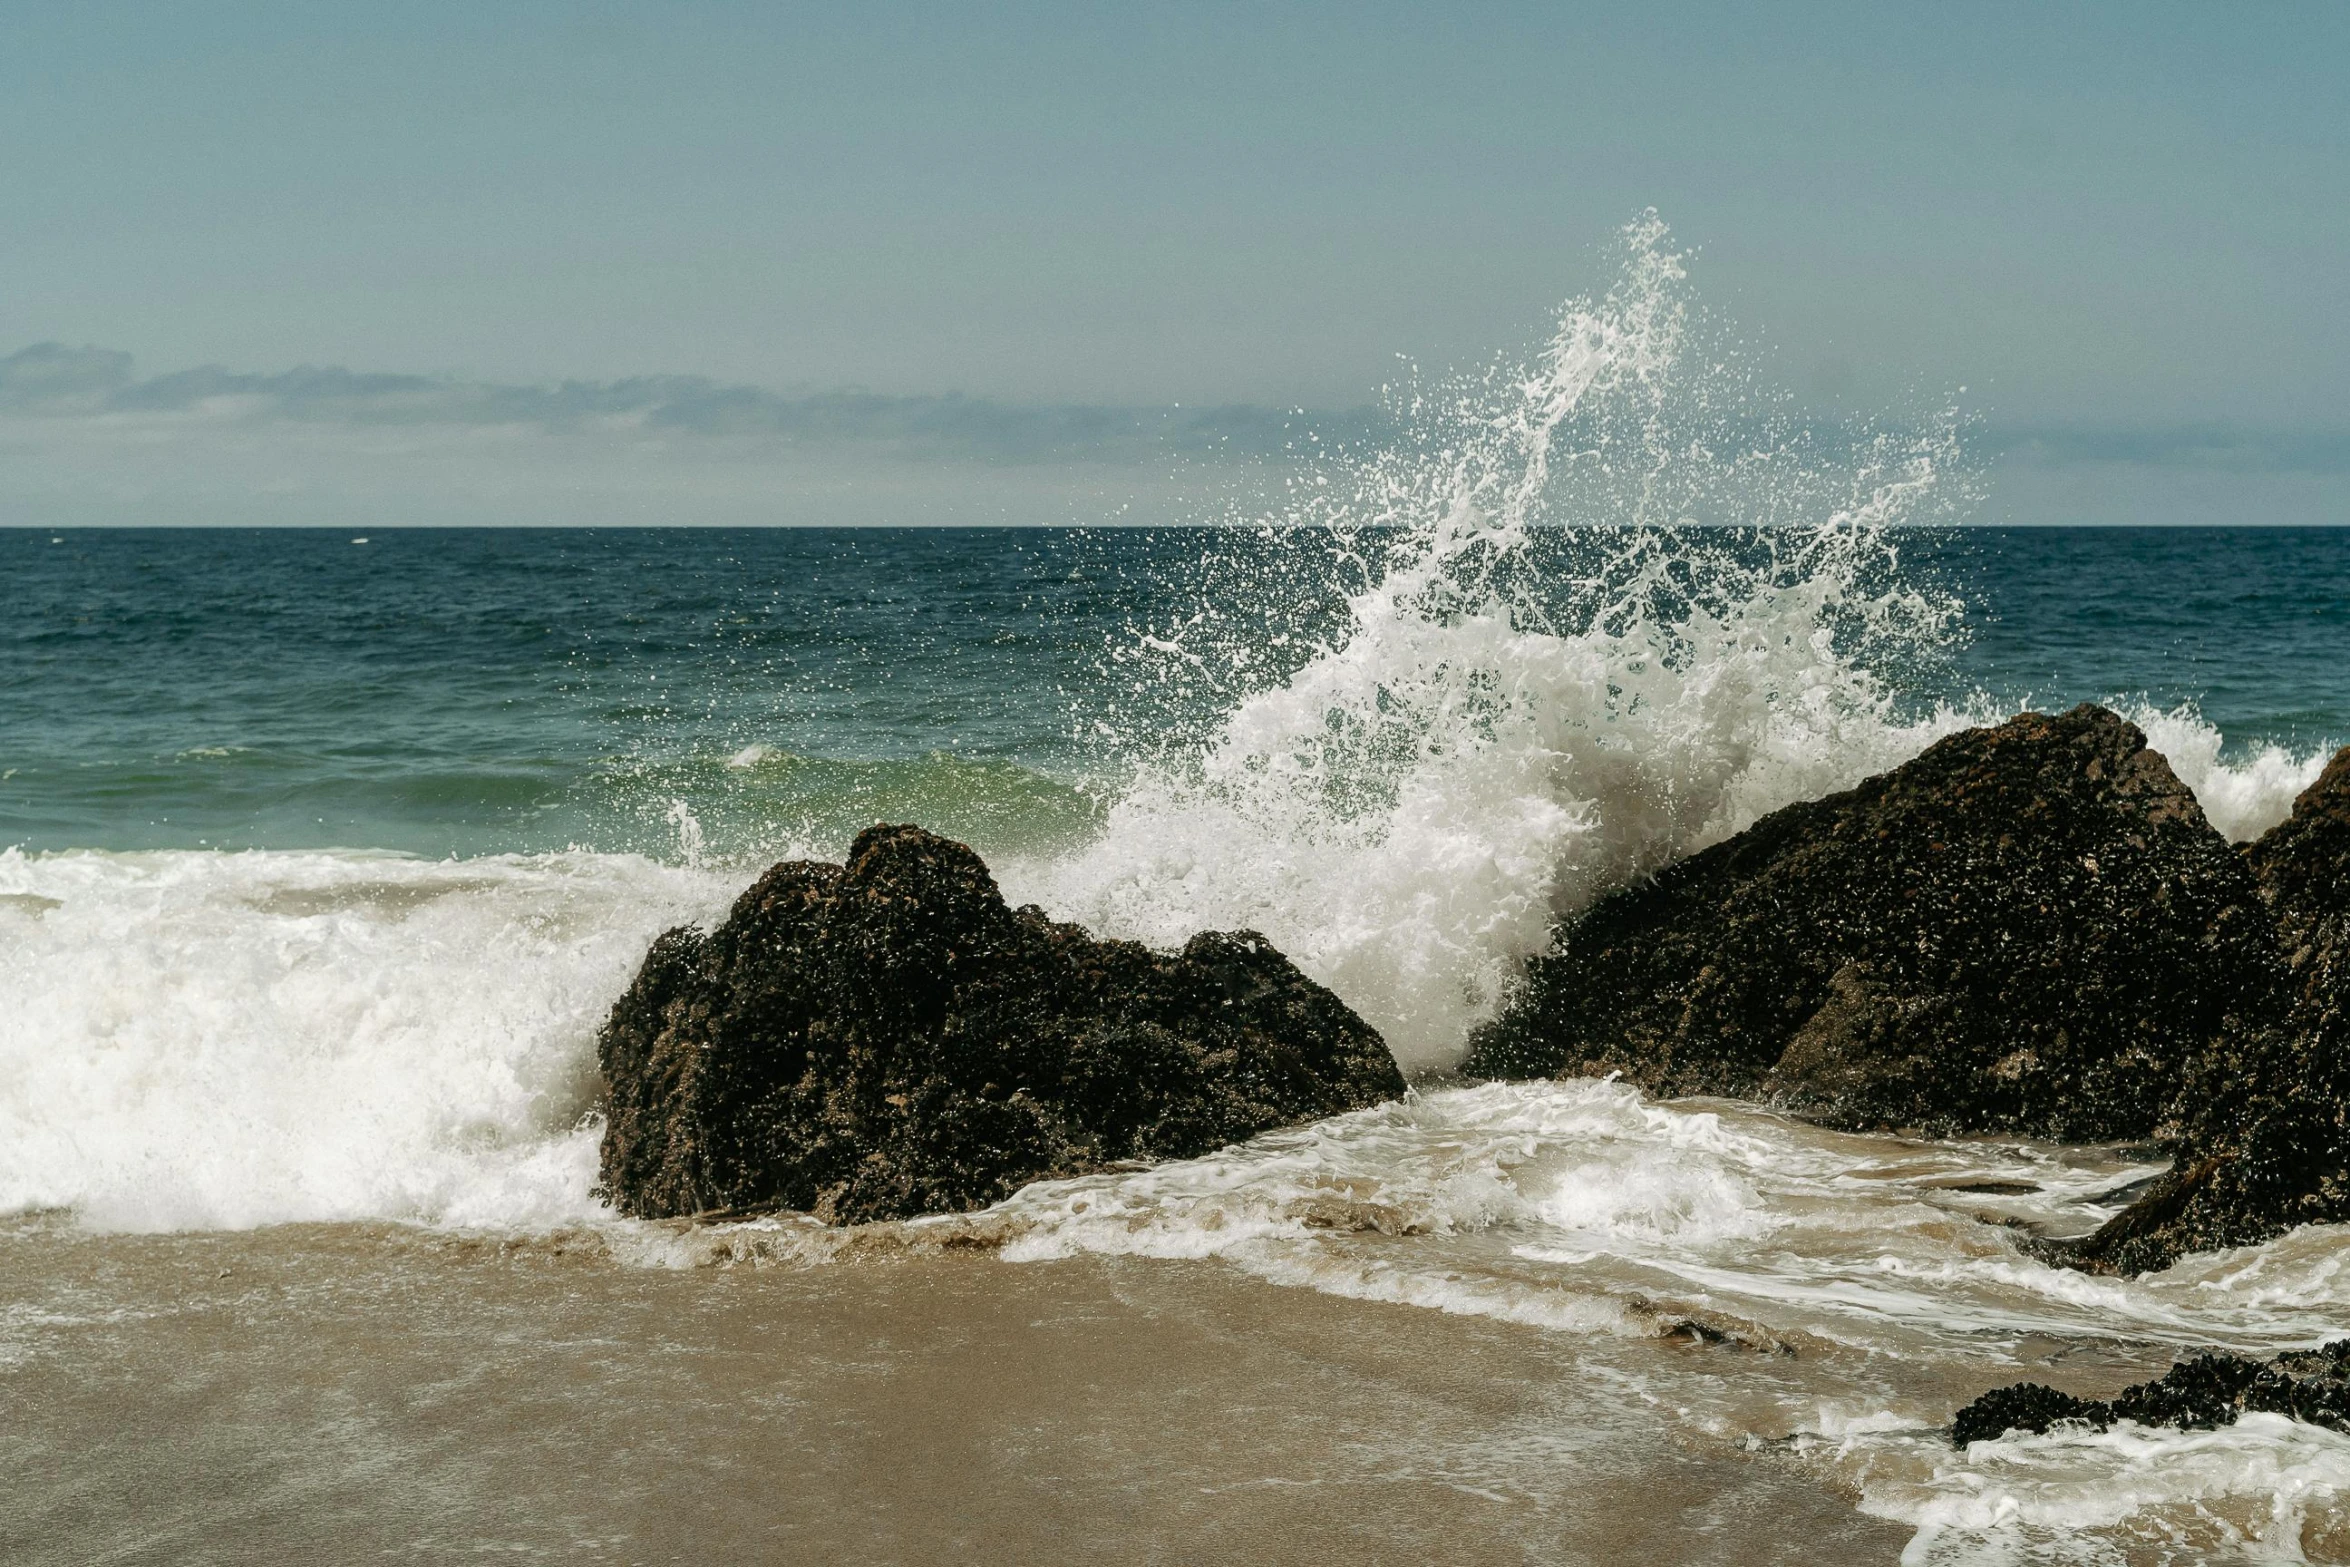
{"points": [[2124, 229]]}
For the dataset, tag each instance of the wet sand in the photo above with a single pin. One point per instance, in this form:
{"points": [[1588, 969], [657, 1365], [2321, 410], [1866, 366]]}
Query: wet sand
{"points": [[340, 1393]]}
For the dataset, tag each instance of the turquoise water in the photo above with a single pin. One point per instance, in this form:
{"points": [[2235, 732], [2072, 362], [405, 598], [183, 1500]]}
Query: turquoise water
{"points": [[484, 691]]}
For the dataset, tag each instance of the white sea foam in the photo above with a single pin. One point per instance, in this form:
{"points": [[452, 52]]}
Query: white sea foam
{"points": [[199, 1040], [1586, 1201], [1511, 1192], [2246, 1492], [2243, 798], [1496, 735], [1584, 1207]]}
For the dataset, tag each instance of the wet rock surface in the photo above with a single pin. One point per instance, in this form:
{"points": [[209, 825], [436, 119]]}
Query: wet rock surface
{"points": [[2030, 928], [2266, 1139], [2198, 1394], [887, 1038]]}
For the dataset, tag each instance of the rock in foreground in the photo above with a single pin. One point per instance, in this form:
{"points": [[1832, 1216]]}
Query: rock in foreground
{"points": [[2208, 1391], [2266, 1144], [886, 1038], [2030, 928]]}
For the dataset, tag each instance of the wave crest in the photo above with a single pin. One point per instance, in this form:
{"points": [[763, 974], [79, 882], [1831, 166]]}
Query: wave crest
{"points": [[1553, 672]]}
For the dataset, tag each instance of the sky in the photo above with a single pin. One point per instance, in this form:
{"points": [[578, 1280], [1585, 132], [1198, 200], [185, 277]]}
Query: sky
{"points": [[2122, 229]]}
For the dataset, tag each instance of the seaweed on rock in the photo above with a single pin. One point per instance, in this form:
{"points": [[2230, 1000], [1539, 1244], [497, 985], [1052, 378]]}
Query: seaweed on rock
{"points": [[2198, 1394], [2265, 1144], [887, 1038], [2030, 928]]}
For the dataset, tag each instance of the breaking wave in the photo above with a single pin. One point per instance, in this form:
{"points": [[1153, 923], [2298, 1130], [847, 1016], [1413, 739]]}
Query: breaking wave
{"points": [[1549, 668], [1582, 616], [204, 1041]]}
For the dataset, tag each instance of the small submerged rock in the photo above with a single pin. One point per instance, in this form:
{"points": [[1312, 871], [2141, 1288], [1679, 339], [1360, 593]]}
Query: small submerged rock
{"points": [[886, 1038], [2030, 928], [2198, 1394]]}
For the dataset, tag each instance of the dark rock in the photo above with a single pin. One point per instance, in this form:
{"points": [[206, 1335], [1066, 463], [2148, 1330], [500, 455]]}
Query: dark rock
{"points": [[2194, 1395], [887, 1038], [2266, 1145], [2198, 1394], [2030, 928], [2027, 1406], [2303, 863]]}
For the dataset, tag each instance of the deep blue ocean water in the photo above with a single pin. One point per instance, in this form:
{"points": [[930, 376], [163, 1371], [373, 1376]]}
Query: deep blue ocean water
{"points": [[490, 690]]}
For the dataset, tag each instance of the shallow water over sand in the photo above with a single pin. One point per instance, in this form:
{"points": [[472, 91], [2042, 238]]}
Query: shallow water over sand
{"points": [[1549, 1322], [1849, 1293], [341, 1393]]}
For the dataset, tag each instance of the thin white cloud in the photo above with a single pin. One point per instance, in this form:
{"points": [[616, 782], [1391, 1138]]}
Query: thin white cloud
{"points": [[85, 438], [50, 380]]}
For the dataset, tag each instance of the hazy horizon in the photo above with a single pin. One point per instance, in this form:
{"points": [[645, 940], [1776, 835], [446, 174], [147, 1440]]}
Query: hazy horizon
{"points": [[728, 263]]}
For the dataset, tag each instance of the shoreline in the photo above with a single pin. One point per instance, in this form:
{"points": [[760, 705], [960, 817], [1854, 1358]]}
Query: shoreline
{"points": [[334, 1391]]}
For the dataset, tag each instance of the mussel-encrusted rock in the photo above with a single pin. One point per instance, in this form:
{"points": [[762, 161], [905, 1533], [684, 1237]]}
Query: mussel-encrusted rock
{"points": [[2207, 1391], [2266, 1144], [886, 1038], [2030, 928]]}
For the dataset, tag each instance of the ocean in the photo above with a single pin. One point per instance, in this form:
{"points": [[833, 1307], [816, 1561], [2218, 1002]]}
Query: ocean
{"points": [[323, 854]]}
